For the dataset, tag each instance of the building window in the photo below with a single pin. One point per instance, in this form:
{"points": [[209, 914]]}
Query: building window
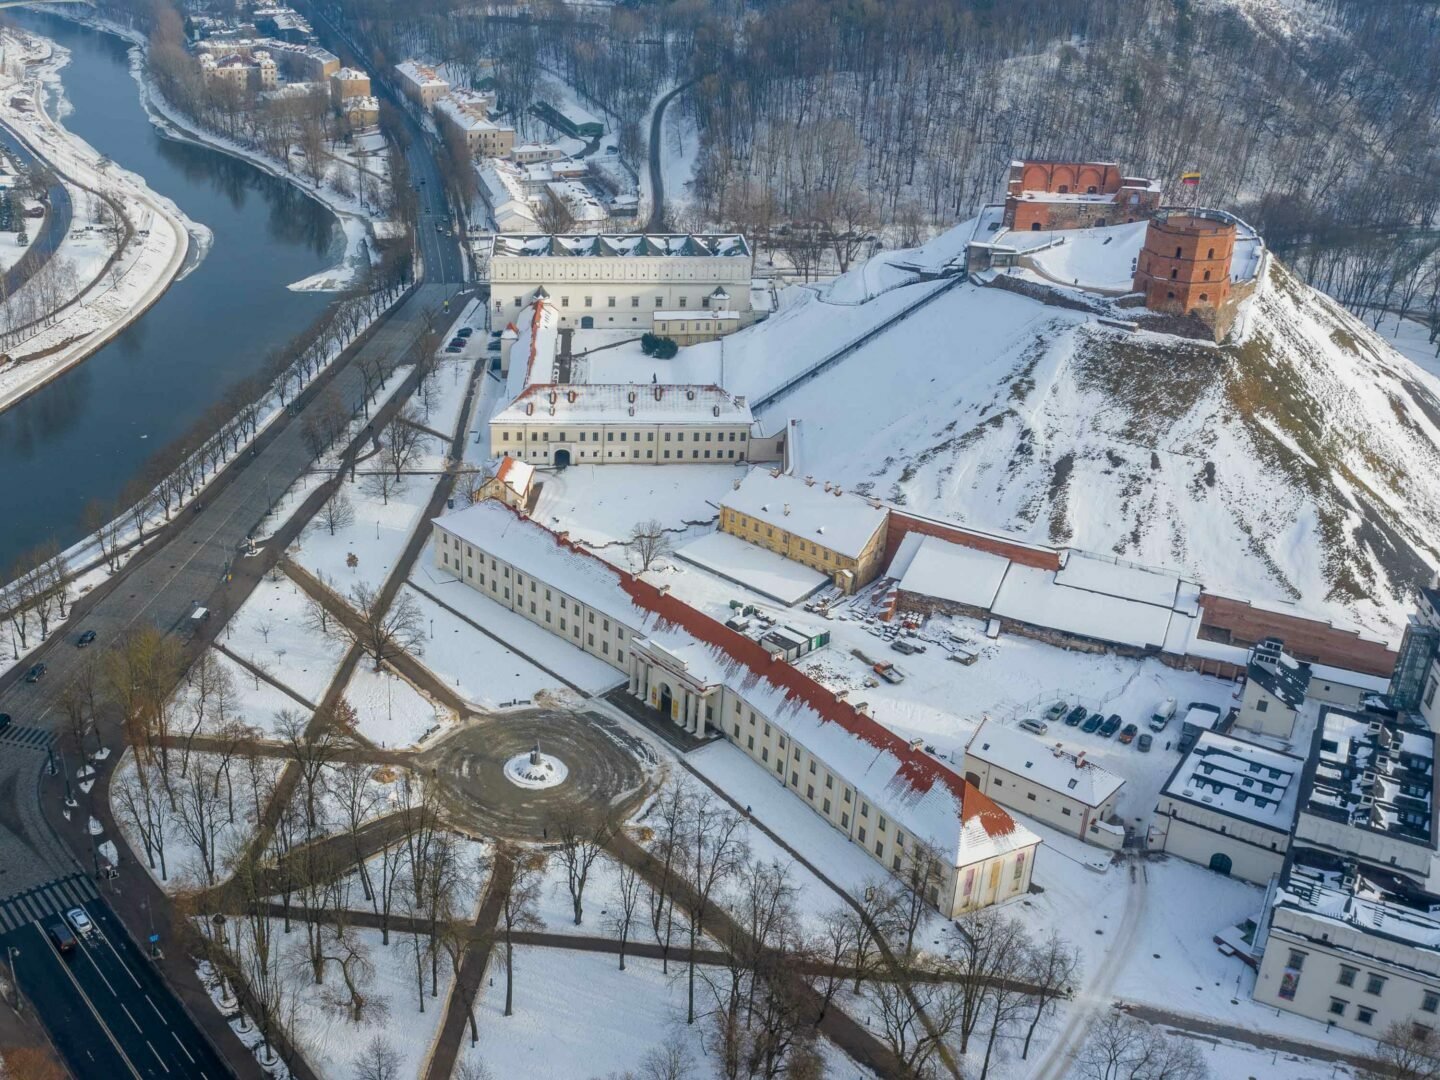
{"points": [[589, 301], [1296, 960], [794, 779], [634, 301], [1337, 1007], [1263, 705], [894, 863], [1347, 975], [844, 821], [610, 302], [1431, 1002], [860, 834], [1364, 1015], [1374, 984], [879, 847], [564, 301]]}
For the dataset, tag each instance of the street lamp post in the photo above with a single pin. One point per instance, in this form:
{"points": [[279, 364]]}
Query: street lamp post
{"points": [[10, 953]]}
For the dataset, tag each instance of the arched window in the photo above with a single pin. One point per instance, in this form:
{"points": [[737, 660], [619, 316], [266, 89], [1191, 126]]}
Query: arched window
{"points": [[1177, 253], [1064, 189], [1034, 226], [1211, 255], [1090, 190], [1207, 275], [1170, 296], [1204, 298], [1174, 273]]}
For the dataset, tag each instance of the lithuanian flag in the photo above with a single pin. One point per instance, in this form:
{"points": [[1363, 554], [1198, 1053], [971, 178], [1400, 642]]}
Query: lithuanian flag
{"points": [[1190, 178]]}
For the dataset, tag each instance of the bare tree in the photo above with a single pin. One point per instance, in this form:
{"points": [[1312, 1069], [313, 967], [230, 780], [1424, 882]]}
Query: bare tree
{"points": [[403, 440], [648, 543], [516, 882], [625, 902], [581, 843], [337, 513], [1404, 1051], [382, 633], [915, 1019], [378, 1061], [715, 850], [1052, 969], [920, 879]]}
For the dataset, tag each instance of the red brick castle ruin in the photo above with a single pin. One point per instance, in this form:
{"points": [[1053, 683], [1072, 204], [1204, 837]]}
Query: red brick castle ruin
{"points": [[1184, 266], [1047, 195]]}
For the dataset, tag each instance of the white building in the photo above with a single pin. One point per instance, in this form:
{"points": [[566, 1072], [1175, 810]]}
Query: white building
{"points": [[505, 196], [1041, 780], [420, 82], [1350, 934], [618, 280], [469, 115], [882, 794], [1230, 805]]}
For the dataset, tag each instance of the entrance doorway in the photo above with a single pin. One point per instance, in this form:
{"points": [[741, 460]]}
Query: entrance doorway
{"points": [[1220, 863], [587, 322], [562, 459], [666, 700]]}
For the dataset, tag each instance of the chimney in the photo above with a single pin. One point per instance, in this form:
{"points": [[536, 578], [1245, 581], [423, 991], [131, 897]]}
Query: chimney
{"points": [[827, 487], [787, 509], [838, 491], [916, 744], [810, 481], [735, 485], [740, 401], [664, 590]]}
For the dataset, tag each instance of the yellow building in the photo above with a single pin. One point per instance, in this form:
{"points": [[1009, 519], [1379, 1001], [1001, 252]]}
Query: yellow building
{"points": [[822, 527]]}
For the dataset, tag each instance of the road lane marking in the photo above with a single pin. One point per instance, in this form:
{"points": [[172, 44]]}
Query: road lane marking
{"points": [[182, 1047], [108, 986], [158, 1013], [124, 966], [157, 1056], [132, 1019], [60, 960]]}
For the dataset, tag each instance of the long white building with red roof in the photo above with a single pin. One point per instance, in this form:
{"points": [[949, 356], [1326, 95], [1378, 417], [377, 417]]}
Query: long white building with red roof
{"points": [[883, 794]]}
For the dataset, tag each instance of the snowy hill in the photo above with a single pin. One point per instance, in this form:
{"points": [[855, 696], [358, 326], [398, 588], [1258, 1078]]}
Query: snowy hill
{"points": [[1298, 463]]}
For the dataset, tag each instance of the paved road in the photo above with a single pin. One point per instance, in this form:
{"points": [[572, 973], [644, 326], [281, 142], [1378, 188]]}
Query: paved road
{"points": [[105, 1007], [657, 178], [54, 230]]}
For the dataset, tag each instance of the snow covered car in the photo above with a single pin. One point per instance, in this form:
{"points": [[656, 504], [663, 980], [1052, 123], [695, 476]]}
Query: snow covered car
{"points": [[1038, 727], [1056, 711]]}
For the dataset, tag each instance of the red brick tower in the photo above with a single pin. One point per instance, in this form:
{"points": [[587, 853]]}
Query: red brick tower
{"points": [[1185, 263]]}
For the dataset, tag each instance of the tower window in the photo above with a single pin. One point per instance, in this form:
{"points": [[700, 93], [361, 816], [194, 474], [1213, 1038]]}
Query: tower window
{"points": [[1207, 275], [1210, 254], [1174, 273], [1205, 299]]}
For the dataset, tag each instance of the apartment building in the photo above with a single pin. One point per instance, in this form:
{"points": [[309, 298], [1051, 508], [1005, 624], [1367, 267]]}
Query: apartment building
{"points": [[884, 795], [420, 83]]}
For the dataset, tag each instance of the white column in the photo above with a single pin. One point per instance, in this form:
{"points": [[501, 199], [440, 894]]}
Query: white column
{"points": [[634, 685]]}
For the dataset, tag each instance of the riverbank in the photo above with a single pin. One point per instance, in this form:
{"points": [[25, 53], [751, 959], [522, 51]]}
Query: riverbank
{"points": [[357, 220], [115, 285]]}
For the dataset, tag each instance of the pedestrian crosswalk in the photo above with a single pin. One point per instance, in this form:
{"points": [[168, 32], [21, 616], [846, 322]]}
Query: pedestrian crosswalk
{"points": [[33, 737], [44, 901]]}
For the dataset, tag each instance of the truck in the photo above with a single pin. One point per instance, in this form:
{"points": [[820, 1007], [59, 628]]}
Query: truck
{"points": [[889, 672], [1163, 712]]}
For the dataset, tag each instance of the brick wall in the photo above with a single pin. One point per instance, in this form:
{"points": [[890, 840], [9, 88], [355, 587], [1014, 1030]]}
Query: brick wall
{"points": [[1236, 622], [901, 524]]}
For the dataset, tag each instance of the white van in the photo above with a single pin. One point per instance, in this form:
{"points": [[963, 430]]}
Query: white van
{"points": [[1162, 714]]}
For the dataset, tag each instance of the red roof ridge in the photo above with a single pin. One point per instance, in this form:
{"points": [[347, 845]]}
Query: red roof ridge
{"points": [[920, 771]]}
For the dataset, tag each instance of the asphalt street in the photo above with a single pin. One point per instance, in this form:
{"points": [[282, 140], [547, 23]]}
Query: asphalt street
{"points": [[102, 1003], [57, 222]]}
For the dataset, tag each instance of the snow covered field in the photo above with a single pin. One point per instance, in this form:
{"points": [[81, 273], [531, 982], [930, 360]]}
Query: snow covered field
{"points": [[376, 538], [391, 712], [269, 630], [601, 504], [482, 671], [569, 1007]]}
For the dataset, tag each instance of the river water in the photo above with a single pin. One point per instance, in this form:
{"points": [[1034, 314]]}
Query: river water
{"points": [[86, 434]]}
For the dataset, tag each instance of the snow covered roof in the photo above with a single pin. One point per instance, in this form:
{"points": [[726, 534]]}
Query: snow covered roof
{"points": [[577, 199], [1286, 679], [619, 245], [938, 568], [533, 355], [826, 515], [1048, 765], [1374, 772], [921, 794], [1096, 573], [419, 74], [599, 403], [1032, 596], [1239, 778], [515, 474], [349, 74], [467, 117]]}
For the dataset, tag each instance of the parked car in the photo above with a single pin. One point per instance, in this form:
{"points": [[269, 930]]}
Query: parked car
{"points": [[78, 919], [1092, 725], [453, 349], [900, 645], [1039, 727], [61, 937], [1074, 717], [85, 639], [1111, 725], [465, 331], [4, 720], [1163, 712], [1056, 711], [36, 673], [494, 346], [1144, 743], [457, 340], [1127, 735]]}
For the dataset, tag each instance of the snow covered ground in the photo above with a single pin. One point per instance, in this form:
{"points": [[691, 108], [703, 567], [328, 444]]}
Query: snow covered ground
{"points": [[269, 630], [1413, 340], [601, 504], [391, 712], [482, 670], [376, 538], [569, 1007]]}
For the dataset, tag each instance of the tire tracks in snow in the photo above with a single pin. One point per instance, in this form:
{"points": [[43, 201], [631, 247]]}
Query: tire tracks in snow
{"points": [[1060, 1056]]}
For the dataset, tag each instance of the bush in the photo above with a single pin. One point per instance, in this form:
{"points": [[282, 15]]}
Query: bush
{"points": [[648, 341], [665, 349]]}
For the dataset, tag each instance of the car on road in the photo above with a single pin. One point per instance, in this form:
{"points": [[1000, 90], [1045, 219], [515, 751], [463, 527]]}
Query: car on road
{"points": [[78, 919], [1056, 711], [1038, 727], [1128, 733], [36, 673], [439, 228], [1144, 743], [1111, 725], [85, 639], [61, 937], [1074, 717], [1093, 723]]}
